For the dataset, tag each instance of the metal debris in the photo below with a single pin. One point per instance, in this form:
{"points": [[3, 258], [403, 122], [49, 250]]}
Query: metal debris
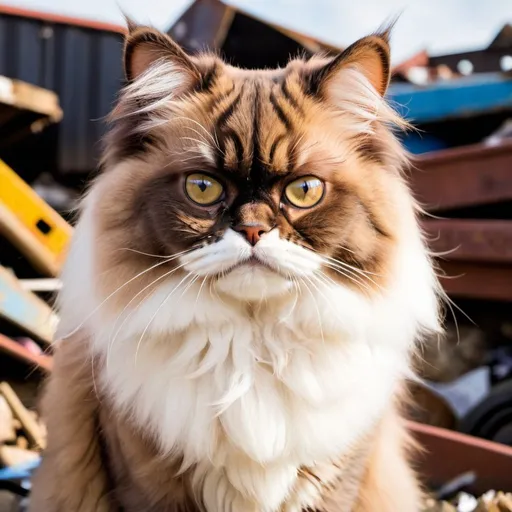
{"points": [[491, 501]]}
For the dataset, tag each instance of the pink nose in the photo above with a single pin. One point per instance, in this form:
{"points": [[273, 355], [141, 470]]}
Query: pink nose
{"points": [[252, 233]]}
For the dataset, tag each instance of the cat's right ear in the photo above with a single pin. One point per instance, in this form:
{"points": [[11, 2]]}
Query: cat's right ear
{"points": [[144, 47]]}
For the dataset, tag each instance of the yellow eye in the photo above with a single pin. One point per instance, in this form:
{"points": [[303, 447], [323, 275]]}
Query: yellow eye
{"points": [[203, 189], [305, 192]]}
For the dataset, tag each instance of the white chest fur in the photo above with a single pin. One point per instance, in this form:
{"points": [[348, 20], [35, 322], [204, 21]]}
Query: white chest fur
{"points": [[248, 395], [251, 396]]}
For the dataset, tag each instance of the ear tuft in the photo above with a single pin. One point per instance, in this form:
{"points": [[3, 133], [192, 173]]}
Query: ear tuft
{"points": [[144, 46], [131, 25], [386, 29], [370, 56]]}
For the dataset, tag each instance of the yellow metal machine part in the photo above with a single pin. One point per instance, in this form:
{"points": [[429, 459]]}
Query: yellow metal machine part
{"points": [[27, 221]]}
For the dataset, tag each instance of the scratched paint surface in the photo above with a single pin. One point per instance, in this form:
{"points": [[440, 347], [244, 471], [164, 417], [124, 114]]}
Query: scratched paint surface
{"points": [[24, 308]]}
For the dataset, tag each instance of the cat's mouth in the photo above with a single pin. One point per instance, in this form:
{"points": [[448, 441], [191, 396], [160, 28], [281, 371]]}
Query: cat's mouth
{"points": [[254, 261], [252, 264], [253, 278]]}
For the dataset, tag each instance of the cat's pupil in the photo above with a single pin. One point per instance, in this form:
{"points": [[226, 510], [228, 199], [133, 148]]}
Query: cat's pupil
{"points": [[305, 187], [202, 185]]}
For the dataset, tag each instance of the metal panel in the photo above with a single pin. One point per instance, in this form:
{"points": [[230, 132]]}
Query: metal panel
{"points": [[482, 61], [29, 44], [447, 454], [477, 280], [460, 177], [80, 63], [453, 99], [472, 240], [74, 96], [201, 25], [477, 263]]}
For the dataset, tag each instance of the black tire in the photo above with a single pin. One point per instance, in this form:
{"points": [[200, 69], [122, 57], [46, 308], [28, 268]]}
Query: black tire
{"points": [[492, 418]]}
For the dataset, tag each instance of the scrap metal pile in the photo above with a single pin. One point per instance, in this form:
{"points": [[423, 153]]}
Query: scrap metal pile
{"points": [[491, 501], [33, 240]]}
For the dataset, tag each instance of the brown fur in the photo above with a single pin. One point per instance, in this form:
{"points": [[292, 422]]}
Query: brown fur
{"points": [[73, 476]]}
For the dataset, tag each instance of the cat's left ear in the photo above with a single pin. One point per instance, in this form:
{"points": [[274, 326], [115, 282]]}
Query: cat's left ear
{"points": [[145, 46], [370, 56]]}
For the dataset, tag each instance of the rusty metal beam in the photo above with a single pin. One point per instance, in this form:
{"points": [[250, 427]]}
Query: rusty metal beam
{"points": [[476, 280], [478, 256], [447, 454], [462, 177], [17, 351], [486, 241]]}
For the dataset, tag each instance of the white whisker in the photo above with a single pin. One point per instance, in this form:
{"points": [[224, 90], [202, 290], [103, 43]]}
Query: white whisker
{"points": [[352, 271], [317, 310], [169, 257], [364, 273], [354, 278], [162, 304], [214, 140], [112, 340], [199, 292], [318, 277], [200, 142], [293, 280], [96, 309]]}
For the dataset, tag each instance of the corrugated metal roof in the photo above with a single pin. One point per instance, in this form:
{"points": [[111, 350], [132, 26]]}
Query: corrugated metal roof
{"points": [[58, 18], [78, 60], [207, 21]]}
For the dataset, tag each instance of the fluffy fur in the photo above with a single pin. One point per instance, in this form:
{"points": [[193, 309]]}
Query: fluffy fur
{"points": [[225, 376]]}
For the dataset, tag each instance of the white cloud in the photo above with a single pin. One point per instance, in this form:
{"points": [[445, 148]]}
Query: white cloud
{"points": [[438, 25]]}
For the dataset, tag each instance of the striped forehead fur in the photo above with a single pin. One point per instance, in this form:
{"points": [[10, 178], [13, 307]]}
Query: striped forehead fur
{"points": [[155, 100]]}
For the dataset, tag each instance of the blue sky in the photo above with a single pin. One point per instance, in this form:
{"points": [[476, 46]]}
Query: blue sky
{"points": [[438, 25]]}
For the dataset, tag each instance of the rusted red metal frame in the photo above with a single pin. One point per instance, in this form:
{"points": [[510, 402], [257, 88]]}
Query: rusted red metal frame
{"points": [[58, 18], [476, 280], [484, 241], [464, 176], [448, 454], [475, 256], [19, 352]]}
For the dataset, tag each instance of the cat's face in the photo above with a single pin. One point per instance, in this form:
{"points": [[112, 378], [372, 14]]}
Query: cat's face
{"points": [[253, 180]]}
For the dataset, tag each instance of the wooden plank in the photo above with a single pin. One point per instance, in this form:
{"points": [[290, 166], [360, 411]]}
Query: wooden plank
{"points": [[26, 220], [26, 96], [32, 429], [14, 349], [24, 309], [477, 280], [487, 241], [25, 109], [41, 285], [462, 177]]}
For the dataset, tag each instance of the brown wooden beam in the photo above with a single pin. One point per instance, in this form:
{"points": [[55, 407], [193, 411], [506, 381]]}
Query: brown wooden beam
{"points": [[464, 176], [488, 241]]}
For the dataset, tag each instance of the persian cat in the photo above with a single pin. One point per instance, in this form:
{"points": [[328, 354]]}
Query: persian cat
{"points": [[244, 292]]}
